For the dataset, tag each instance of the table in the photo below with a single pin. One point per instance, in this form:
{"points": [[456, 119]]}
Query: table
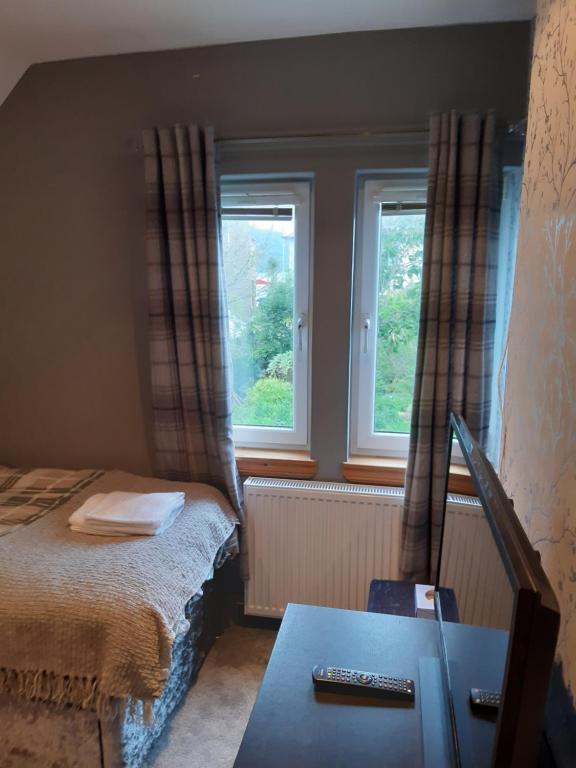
{"points": [[293, 727]]}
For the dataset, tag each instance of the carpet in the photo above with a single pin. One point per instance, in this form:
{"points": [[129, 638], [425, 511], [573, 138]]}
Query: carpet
{"points": [[207, 729]]}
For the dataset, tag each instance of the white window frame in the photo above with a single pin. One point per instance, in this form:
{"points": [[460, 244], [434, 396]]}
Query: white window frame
{"points": [[409, 187], [298, 194]]}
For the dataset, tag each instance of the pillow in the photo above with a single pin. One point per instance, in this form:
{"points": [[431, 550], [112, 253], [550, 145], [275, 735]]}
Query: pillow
{"points": [[28, 494]]}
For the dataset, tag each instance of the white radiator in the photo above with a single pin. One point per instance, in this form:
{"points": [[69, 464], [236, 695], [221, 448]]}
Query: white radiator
{"points": [[472, 566], [320, 543]]}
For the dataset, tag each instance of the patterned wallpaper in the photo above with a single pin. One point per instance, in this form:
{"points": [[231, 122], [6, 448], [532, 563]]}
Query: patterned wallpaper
{"points": [[538, 461]]}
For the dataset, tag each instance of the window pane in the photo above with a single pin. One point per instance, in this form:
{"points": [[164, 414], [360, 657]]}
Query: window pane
{"points": [[399, 282], [507, 242], [259, 274]]}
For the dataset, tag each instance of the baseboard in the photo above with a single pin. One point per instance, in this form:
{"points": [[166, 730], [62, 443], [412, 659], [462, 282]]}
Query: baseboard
{"points": [[257, 622]]}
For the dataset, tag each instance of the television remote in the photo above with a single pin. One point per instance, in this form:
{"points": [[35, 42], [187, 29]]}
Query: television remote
{"points": [[484, 699], [338, 680]]}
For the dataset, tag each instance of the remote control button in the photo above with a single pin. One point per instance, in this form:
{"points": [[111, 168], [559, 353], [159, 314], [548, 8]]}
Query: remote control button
{"points": [[364, 678]]}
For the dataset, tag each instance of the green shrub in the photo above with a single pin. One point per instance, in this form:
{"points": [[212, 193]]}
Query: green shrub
{"points": [[270, 329], [280, 367], [268, 403]]}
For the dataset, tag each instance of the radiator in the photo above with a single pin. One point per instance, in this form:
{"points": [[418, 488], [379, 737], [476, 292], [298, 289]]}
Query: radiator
{"points": [[318, 543], [472, 566], [321, 543]]}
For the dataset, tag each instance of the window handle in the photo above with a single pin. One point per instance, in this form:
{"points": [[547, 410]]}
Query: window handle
{"points": [[300, 323], [366, 331]]}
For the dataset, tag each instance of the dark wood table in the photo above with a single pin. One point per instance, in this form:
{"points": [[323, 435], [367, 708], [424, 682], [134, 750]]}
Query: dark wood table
{"points": [[292, 727]]}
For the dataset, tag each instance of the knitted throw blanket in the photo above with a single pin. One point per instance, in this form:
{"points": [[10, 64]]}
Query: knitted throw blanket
{"points": [[89, 621]]}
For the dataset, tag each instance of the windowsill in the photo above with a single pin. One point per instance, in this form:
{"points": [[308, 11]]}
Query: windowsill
{"points": [[377, 470], [372, 470], [262, 462]]}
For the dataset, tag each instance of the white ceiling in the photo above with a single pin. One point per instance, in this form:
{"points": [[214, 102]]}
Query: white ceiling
{"points": [[34, 31]]}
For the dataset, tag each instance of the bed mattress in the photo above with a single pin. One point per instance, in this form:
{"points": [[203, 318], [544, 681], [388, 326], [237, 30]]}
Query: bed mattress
{"points": [[41, 735], [141, 600]]}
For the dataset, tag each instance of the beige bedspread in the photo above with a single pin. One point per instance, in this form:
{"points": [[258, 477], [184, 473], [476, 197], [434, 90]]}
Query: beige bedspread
{"points": [[90, 621]]}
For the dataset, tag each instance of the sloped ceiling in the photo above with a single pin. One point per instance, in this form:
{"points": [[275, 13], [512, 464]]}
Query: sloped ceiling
{"points": [[33, 31]]}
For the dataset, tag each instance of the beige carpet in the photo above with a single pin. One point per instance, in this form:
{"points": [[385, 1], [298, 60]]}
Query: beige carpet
{"points": [[207, 729]]}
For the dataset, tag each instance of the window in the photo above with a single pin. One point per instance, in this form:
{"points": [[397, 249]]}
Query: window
{"points": [[266, 245], [507, 241], [388, 272]]}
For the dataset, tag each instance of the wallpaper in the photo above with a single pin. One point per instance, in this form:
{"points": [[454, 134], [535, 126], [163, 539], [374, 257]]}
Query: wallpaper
{"points": [[538, 459]]}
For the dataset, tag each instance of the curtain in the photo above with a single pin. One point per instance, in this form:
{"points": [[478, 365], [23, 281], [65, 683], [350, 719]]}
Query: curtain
{"points": [[191, 390], [454, 358]]}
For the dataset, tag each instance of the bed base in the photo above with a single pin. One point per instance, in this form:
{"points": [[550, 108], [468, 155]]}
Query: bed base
{"points": [[40, 735]]}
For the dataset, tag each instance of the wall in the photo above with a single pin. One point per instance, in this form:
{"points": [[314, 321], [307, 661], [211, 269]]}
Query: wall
{"points": [[12, 66], [539, 450], [74, 383]]}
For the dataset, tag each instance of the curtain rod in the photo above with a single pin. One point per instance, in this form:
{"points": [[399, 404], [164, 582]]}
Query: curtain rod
{"points": [[394, 136], [519, 128], [409, 135], [320, 141], [378, 134]]}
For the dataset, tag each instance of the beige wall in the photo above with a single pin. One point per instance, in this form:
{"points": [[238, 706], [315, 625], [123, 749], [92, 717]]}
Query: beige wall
{"points": [[539, 447], [73, 349]]}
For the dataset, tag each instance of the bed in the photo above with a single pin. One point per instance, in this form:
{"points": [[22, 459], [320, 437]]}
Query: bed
{"points": [[99, 638]]}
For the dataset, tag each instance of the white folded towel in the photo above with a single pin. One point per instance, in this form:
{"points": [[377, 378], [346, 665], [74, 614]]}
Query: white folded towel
{"points": [[127, 514]]}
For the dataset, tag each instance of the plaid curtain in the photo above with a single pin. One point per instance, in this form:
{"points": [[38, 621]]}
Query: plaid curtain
{"points": [[454, 360], [187, 308]]}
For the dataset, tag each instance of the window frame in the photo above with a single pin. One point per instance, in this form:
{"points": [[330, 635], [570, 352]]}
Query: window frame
{"points": [[238, 191], [372, 191]]}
